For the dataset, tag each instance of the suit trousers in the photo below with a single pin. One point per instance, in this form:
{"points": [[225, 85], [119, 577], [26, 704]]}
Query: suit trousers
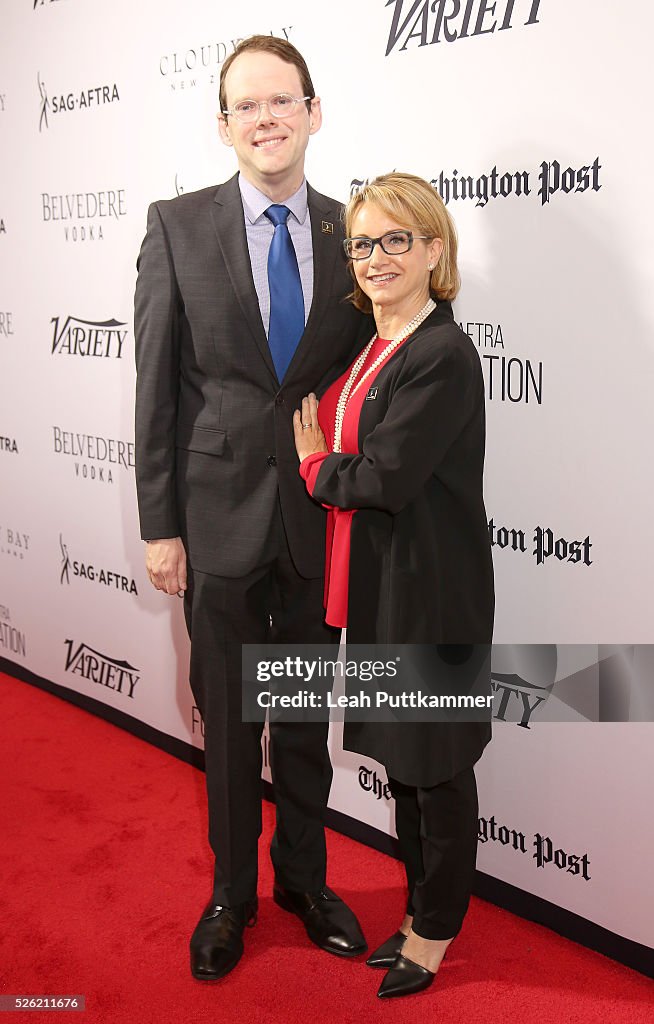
{"points": [[272, 604], [437, 830]]}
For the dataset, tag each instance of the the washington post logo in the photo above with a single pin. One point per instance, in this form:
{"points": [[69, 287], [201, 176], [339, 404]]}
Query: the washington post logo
{"points": [[425, 22], [96, 338]]}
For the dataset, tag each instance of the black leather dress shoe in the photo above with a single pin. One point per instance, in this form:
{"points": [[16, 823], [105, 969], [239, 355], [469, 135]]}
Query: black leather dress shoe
{"points": [[405, 979], [328, 920], [217, 942], [388, 952]]}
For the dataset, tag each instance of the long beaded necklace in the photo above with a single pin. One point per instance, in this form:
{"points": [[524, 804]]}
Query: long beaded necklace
{"points": [[349, 388]]}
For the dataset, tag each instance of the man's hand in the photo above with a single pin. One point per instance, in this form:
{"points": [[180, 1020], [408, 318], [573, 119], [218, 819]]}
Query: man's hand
{"points": [[165, 561], [309, 438]]}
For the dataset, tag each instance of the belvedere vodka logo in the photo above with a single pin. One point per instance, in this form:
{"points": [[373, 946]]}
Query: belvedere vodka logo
{"points": [[85, 216], [6, 324], [94, 458]]}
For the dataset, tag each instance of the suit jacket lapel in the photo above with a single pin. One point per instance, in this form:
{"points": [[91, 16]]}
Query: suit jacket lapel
{"points": [[229, 225], [326, 249]]}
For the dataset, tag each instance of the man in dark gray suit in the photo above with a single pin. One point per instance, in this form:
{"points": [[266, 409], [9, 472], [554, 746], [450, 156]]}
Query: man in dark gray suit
{"points": [[238, 314]]}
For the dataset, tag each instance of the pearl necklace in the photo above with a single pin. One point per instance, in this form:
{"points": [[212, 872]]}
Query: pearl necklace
{"points": [[349, 389]]}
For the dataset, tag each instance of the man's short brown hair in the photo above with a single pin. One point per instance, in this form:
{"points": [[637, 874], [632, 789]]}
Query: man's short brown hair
{"points": [[280, 48]]}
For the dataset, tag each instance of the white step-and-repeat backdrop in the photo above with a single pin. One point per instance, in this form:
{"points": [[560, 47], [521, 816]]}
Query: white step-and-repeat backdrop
{"points": [[530, 117]]}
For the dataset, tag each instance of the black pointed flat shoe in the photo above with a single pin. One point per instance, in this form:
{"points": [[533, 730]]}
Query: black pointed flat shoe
{"points": [[385, 956], [405, 979]]}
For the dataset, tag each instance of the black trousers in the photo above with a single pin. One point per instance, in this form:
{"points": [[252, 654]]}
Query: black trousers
{"points": [[437, 830], [273, 604]]}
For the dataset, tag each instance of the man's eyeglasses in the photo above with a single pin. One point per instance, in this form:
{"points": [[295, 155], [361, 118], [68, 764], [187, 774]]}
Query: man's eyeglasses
{"points": [[394, 243], [281, 105]]}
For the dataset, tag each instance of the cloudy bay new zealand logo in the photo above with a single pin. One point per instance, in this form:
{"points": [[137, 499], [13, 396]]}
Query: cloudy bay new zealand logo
{"points": [[200, 64], [97, 338], [14, 542], [433, 21], [99, 668], [91, 573], [67, 102]]}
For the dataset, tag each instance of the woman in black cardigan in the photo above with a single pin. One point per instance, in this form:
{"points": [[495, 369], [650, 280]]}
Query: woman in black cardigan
{"points": [[396, 453]]}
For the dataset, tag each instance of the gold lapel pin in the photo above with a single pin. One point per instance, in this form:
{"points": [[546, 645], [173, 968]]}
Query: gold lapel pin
{"points": [[327, 228]]}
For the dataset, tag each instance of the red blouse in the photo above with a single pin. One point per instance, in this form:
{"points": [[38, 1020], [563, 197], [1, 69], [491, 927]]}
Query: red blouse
{"points": [[339, 521]]}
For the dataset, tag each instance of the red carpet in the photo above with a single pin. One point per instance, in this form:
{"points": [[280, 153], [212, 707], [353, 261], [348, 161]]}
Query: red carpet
{"points": [[105, 867]]}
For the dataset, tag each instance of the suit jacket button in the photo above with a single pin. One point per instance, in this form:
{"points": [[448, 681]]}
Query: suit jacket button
{"points": [[279, 400], [271, 460]]}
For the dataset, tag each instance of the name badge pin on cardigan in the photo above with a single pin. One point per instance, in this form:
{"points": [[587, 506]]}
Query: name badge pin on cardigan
{"points": [[327, 228], [372, 394]]}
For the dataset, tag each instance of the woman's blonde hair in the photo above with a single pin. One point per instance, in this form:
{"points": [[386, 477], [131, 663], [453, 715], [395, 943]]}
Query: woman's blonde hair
{"points": [[415, 204]]}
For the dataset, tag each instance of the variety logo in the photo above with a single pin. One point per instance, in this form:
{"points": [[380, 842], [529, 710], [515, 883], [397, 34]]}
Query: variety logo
{"points": [[545, 852], [97, 338], [547, 545], [84, 99], [94, 458], [516, 697], [8, 444], [434, 21], [92, 574], [200, 64], [84, 661], [6, 325], [371, 783], [84, 215], [14, 543], [12, 640]]}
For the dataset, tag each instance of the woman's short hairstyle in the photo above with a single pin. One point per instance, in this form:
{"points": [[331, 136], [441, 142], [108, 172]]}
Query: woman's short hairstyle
{"points": [[414, 204], [280, 48]]}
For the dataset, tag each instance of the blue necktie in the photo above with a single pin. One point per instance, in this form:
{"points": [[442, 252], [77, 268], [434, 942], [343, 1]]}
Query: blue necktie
{"points": [[286, 299]]}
